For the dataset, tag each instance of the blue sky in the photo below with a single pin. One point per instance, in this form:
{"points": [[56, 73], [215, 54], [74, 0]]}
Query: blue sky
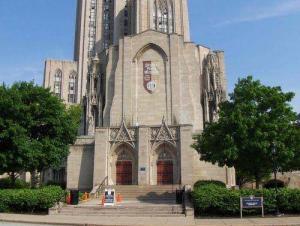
{"points": [[260, 38]]}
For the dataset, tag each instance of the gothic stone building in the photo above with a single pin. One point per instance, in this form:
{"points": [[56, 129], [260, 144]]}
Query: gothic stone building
{"points": [[145, 89]]}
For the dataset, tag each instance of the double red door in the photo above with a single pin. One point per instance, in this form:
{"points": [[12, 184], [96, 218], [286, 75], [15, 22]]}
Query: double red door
{"points": [[164, 172], [124, 173]]}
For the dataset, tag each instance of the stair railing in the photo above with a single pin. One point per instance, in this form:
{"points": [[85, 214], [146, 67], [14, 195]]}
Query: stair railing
{"points": [[102, 186], [98, 189]]}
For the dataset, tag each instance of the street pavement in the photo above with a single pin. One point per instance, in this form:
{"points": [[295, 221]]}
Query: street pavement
{"points": [[18, 219]]}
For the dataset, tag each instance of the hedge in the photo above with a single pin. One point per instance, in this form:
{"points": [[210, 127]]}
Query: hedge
{"points": [[207, 182], [30, 200], [212, 200], [5, 183]]}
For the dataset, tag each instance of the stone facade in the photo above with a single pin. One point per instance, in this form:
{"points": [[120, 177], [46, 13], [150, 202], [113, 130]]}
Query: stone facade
{"points": [[146, 89]]}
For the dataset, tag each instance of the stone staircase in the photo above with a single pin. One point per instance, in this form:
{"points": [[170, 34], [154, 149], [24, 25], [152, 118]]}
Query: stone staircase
{"points": [[152, 201], [148, 194]]}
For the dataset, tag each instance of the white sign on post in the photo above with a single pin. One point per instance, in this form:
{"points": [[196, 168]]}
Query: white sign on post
{"points": [[109, 197]]}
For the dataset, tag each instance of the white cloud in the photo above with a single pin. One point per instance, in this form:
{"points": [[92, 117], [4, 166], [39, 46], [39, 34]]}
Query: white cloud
{"points": [[282, 8]]}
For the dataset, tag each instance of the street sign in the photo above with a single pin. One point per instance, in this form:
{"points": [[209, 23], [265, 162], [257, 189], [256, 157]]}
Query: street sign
{"points": [[251, 202]]}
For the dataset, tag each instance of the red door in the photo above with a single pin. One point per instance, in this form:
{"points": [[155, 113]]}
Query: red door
{"points": [[124, 173], [164, 172]]}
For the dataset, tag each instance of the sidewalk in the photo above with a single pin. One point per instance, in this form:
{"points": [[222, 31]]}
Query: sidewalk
{"points": [[159, 221], [267, 221]]}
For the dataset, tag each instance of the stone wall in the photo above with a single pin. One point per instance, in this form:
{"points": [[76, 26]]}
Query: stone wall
{"points": [[80, 164], [67, 68]]}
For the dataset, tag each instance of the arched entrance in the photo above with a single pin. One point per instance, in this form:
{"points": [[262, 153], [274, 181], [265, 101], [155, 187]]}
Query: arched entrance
{"points": [[123, 165], [164, 168], [124, 169], [164, 165]]}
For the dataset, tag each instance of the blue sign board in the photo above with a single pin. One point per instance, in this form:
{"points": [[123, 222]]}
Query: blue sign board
{"points": [[252, 202]]}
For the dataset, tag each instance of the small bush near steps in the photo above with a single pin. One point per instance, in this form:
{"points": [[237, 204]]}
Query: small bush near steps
{"points": [[30, 200]]}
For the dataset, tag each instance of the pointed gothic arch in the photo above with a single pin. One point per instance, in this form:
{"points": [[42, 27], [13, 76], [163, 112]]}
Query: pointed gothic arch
{"points": [[123, 164], [148, 46], [164, 164]]}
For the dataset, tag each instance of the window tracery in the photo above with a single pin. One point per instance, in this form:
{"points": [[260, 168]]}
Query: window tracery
{"points": [[72, 87], [58, 83], [163, 16], [92, 28]]}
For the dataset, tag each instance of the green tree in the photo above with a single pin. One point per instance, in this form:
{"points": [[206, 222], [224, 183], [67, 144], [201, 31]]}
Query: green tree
{"points": [[256, 120], [36, 128]]}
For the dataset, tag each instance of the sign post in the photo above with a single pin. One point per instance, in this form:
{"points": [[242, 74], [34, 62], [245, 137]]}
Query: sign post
{"points": [[109, 197], [252, 203]]}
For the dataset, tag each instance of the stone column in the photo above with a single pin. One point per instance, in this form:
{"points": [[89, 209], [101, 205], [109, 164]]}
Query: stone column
{"points": [[186, 151], [143, 156], [101, 155]]}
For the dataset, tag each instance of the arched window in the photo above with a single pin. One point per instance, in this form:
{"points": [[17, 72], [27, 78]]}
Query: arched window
{"points": [[163, 16], [57, 83], [72, 87]]}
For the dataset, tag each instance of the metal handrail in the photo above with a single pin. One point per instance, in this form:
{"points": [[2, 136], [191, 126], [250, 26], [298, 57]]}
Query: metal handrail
{"points": [[101, 186]]}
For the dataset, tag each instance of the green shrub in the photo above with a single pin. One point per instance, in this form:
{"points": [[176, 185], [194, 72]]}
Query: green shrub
{"points": [[272, 184], [6, 183], [207, 182], [214, 200], [53, 183], [30, 200]]}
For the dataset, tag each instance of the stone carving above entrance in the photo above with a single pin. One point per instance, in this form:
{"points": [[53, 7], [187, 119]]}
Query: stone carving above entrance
{"points": [[123, 134], [164, 155], [164, 133]]}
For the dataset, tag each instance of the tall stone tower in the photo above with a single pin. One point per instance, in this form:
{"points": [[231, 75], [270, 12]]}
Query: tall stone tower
{"points": [[101, 24], [145, 89]]}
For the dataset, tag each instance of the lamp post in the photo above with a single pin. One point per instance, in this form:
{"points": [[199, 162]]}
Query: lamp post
{"points": [[275, 170]]}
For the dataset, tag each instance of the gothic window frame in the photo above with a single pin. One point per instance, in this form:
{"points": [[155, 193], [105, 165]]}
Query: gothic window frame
{"points": [[163, 16], [72, 87], [58, 83]]}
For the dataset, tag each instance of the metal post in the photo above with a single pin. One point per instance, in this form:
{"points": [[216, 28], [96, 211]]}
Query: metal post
{"points": [[241, 207], [275, 169], [262, 208]]}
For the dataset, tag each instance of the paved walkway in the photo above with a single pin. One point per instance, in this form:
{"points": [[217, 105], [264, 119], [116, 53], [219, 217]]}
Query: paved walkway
{"points": [[124, 221]]}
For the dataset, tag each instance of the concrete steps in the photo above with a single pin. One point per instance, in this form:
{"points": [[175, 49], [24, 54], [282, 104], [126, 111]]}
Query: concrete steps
{"points": [[147, 193], [148, 201], [132, 210]]}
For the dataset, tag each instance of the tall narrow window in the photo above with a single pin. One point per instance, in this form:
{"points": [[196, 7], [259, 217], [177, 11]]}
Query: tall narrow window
{"points": [[72, 88], [126, 19], [107, 25], [57, 83], [155, 15], [92, 28], [163, 16]]}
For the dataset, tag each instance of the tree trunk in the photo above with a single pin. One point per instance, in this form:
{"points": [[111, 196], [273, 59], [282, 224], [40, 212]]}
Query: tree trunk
{"points": [[12, 176], [34, 179], [257, 182]]}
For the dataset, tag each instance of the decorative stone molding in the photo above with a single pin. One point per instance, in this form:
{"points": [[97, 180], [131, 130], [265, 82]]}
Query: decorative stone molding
{"points": [[123, 134], [164, 133], [214, 91]]}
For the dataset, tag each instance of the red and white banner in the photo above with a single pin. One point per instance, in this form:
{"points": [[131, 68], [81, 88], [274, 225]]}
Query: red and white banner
{"points": [[149, 83]]}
